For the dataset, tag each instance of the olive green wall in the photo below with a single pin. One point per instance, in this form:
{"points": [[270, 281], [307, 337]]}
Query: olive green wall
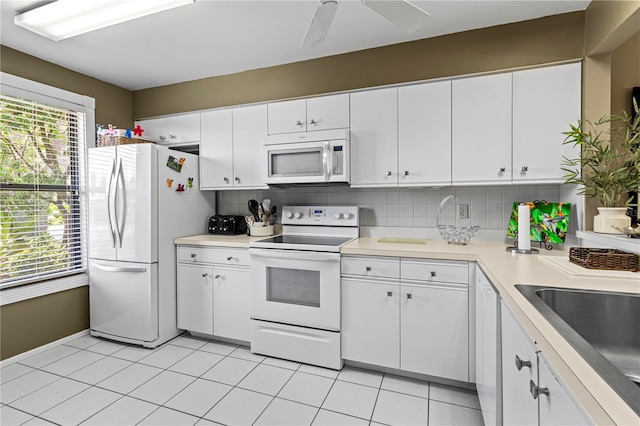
{"points": [[31, 323], [114, 105], [625, 74], [529, 43]]}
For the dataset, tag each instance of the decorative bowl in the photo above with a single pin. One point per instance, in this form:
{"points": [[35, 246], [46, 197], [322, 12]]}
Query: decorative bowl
{"points": [[460, 236]]}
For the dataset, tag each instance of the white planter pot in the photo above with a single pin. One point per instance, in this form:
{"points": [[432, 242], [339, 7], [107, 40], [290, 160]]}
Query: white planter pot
{"points": [[608, 216]]}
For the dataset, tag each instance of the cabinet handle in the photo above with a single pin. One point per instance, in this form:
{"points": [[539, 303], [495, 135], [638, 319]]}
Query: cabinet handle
{"points": [[368, 268], [162, 138], [229, 258], [537, 390], [237, 179], [525, 168], [193, 255], [406, 172], [173, 137], [226, 180], [205, 275], [217, 276], [409, 296], [299, 123], [388, 172], [313, 122], [503, 169], [389, 293], [520, 363], [433, 273]]}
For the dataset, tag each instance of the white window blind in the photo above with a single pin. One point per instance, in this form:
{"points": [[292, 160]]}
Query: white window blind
{"points": [[42, 173]]}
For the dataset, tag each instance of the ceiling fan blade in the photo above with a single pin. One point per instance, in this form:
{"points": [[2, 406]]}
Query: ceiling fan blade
{"points": [[320, 23], [400, 12]]}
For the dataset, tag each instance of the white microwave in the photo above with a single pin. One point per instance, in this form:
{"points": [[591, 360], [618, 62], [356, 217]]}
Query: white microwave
{"points": [[312, 157]]}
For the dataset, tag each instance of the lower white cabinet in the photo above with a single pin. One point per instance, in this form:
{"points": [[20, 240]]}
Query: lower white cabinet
{"points": [[214, 291], [532, 395], [195, 298], [414, 324]]}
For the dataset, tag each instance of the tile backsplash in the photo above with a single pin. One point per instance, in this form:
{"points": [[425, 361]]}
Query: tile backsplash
{"points": [[489, 206]]}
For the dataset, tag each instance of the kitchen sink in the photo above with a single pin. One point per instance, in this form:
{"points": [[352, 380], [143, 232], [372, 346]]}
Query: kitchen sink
{"points": [[603, 327]]}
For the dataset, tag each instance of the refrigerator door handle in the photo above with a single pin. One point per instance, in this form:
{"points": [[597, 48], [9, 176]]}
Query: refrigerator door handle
{"points": [[119, 226], [117, 268], [109, 210]]}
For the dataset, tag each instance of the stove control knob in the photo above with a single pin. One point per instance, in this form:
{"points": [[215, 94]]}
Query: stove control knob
{"points": [[297, 215], [337, 215], [347, 215], [289, 215]]}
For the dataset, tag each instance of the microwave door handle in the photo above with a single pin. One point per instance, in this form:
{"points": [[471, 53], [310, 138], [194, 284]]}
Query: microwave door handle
{"points": [[325, 161]]}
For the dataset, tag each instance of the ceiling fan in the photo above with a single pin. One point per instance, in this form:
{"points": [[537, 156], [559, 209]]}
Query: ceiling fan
{"points": [[400, 12]]}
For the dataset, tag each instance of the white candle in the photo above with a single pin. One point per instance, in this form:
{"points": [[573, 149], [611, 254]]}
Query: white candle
{"points": [[524, 240]]}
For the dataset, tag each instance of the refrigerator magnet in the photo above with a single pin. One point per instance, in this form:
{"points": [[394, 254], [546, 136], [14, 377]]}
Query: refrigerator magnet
{"points": [[189, 185], [175, 163], [169, 183], [180, 188]]}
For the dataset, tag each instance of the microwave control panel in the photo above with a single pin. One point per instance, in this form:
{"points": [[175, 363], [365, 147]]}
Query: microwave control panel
{"points": [[337, 160]]}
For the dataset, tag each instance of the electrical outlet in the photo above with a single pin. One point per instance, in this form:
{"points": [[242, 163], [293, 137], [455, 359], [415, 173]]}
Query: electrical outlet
{"points": [[463, 211]]}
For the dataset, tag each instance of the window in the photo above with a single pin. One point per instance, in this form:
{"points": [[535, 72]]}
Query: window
{"points": [[42, 152]]}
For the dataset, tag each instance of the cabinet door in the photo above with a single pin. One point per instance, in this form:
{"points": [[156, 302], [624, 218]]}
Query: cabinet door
{"points": [[545, 102], [249, 130], [232, 303], [156, 129], [328, 112], [518, 406], [184, 128], [435, 330], [374, 138], [424, 134], [216, 150], [557, 408], [287, 116], [481, 130], [195, 298], [371, 321], [486, 348]]}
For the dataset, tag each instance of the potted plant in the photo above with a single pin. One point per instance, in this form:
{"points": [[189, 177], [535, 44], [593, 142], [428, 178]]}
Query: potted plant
{"points": [[608, 168]]}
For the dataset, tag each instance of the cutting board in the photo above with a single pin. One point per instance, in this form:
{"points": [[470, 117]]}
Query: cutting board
{"points": [[569, 268]]}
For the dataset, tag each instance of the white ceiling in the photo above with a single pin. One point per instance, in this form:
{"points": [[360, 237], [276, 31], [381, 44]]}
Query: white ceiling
{"points": [[216, 37]]}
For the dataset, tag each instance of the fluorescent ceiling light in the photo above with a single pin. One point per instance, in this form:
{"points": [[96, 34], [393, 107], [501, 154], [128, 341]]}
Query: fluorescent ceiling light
{"points": [[68, 18]]}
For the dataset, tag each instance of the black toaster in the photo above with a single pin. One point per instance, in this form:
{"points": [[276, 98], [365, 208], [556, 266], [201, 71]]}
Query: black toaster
{"points": [[227, 224]]}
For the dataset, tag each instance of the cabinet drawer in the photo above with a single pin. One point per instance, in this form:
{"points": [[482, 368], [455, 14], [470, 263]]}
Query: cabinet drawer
{"points": [[433, 271], [387, 267], [223, 256]]}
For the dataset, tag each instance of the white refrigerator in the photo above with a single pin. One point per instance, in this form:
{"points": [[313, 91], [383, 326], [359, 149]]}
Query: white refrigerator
{"points": [[141, 197]]}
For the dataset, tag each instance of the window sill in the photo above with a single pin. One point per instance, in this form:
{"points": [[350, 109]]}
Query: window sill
{"points": [[31, 291]]}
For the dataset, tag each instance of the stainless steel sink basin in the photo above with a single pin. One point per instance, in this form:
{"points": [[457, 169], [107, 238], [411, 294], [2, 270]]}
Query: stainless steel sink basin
{"points": [[603, 327]]}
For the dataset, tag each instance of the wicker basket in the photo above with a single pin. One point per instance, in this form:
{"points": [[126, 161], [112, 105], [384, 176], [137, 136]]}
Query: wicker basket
{"points": [[112, 140], [598, 258]]}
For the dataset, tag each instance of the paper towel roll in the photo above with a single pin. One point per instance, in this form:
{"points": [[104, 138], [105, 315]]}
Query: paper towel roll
{"points": [[524, 240]]}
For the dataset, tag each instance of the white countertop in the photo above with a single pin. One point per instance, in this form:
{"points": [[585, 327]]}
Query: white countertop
{"points": [[506, 269]]}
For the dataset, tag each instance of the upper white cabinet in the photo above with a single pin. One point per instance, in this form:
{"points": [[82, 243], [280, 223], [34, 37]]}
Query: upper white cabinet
{"points": [[249, 130], [231, 148], [172, 130], [545, 102], [374, 138], [481, 130], [302, 115], [424, 134], [216, 150]]}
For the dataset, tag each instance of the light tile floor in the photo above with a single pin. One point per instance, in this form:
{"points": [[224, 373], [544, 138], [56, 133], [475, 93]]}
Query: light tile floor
{"points": [[192, 381]]}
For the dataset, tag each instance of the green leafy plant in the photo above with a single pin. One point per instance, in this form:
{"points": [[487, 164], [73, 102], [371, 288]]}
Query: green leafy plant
{"points": [[608, 168]]}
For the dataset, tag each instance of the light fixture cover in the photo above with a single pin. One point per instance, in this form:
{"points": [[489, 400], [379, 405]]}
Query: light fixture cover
{"points": [[68, 18]]}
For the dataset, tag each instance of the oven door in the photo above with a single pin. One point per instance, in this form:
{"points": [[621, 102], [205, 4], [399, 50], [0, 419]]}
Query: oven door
{"points": [[296, 287]]}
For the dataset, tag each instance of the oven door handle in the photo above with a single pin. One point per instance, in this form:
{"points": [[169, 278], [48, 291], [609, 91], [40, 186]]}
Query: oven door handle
{"points": [[295, 255]]}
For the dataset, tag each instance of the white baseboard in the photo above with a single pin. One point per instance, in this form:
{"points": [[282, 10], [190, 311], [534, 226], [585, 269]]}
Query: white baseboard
{"points": [[42, 348]]}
